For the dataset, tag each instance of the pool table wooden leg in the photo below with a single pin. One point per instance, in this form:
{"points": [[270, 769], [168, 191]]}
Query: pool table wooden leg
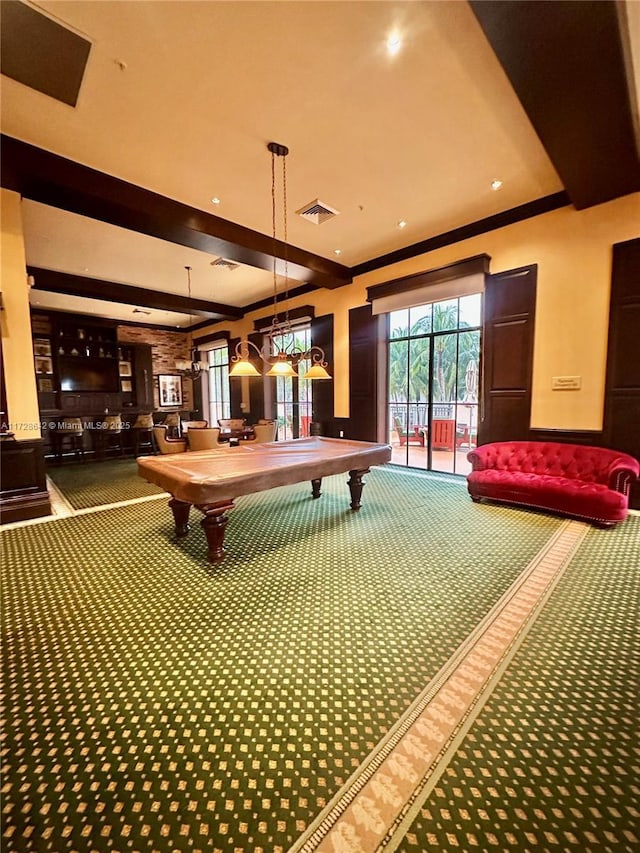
{"points": [[315, 488], [214, 524], [180, 511], [355, 487]]}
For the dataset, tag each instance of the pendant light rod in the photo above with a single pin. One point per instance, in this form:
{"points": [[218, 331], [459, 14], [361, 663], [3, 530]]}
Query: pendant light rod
{"points": [[194, 367], [281, 352]]}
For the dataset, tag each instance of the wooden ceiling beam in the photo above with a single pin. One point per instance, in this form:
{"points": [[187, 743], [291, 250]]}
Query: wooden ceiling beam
{"points": [[566, 62], [50, 179], [111, 291]]}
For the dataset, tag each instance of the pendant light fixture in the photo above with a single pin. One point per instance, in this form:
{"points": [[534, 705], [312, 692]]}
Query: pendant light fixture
{"points": [[194, 367], [281, 353]]}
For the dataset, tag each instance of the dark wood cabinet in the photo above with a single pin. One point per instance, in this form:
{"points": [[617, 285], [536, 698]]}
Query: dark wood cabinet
{"points": [[82, 369], [23, 491]]}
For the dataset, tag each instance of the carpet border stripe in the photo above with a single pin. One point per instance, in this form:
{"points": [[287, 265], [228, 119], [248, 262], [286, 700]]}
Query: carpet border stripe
{"points": [[378, 802]]}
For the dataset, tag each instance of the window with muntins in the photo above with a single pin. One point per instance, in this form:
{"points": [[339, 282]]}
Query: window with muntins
{"points": [[219, 396]]}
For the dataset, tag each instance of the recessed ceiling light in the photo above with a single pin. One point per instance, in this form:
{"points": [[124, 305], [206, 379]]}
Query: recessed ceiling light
{"points": [[495, 185], [215, 200], [337, 251], [402, 224], [394, 43]]}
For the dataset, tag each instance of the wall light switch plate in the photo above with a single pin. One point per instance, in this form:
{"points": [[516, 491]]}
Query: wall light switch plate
{"points": [[566, 383]]}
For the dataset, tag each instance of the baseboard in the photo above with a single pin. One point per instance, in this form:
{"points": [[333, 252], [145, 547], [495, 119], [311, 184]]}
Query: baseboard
{"points": [[24, 507]]}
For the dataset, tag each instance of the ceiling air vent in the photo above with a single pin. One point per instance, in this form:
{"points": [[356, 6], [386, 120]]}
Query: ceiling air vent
{"points": [[317, 212], [223, 262]]}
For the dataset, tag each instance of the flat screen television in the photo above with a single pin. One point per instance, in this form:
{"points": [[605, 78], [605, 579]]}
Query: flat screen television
{"points": [[83, 374]]}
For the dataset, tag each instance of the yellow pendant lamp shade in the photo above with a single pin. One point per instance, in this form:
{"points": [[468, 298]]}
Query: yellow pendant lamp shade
{"points": [[281, 368], [317, 371], [243, 368]]}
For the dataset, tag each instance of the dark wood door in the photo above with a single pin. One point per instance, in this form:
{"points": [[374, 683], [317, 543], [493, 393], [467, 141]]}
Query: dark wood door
{"points": [[622, 394], [363, 374], [507, 355]]}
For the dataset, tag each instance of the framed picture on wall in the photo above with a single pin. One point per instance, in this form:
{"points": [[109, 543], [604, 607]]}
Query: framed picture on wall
{"points": [[170, 390], [125, 368], [42, 346], [126, 386], [44, 364]]}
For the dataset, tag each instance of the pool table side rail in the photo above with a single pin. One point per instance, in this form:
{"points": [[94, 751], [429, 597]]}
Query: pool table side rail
{"points": [[225, 473]]}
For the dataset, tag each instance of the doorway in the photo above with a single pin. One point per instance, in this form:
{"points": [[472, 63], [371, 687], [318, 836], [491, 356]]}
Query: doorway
{"points": [[293, 394], [434, 353]]}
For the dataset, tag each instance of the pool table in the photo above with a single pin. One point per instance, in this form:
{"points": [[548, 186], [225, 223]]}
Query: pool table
{"points": [[212, 479]]}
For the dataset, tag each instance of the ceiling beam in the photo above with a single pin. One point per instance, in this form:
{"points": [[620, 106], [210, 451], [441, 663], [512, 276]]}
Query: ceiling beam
{"points": [[50, 179], [465, 232], [566, 62], [111, 291]]}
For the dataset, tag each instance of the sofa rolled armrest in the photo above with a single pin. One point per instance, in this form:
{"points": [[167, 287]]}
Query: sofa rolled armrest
{"points": [[623, 473], [481, 457]]}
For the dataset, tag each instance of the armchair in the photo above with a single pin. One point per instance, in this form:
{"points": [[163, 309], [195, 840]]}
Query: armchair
{"points": [[187, 425], [265, 432], [164, 444], [203, 438], [172, 421]]}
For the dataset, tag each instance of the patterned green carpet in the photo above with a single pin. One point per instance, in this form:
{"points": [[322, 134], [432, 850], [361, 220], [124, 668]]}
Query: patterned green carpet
{"points": [[98, 483], [552, 762], [156, 703]]}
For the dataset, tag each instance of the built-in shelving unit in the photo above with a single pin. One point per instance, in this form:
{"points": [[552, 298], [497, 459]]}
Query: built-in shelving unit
{"points": [[82, 369]]}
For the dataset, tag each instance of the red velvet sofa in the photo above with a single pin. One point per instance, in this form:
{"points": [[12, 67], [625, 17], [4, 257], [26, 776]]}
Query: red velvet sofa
{"points": [[590, 483]]}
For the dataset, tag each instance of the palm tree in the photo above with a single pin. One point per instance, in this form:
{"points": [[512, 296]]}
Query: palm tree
{"points": [[445, 316], [412, 357]]}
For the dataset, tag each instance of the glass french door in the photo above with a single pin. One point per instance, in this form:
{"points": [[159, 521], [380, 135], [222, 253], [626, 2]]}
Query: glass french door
{"points": [[294, 395], [434, 353]]}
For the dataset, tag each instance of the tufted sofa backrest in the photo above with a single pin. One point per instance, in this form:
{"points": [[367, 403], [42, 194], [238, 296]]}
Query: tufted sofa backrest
{"points": [[580, 462]]}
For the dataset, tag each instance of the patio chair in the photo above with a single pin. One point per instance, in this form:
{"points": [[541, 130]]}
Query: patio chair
{"points": [[414, 437], [444, 432]]}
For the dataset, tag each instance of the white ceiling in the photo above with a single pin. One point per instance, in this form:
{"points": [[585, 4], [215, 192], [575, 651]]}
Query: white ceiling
{"points": [[182, 97]]}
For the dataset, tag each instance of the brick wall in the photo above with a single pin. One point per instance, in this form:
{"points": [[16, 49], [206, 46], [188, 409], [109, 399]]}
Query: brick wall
{"points": [[166, 347]]}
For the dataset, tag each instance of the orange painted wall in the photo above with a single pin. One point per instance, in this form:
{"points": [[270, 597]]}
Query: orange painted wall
{"points": [[573, 251]]}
